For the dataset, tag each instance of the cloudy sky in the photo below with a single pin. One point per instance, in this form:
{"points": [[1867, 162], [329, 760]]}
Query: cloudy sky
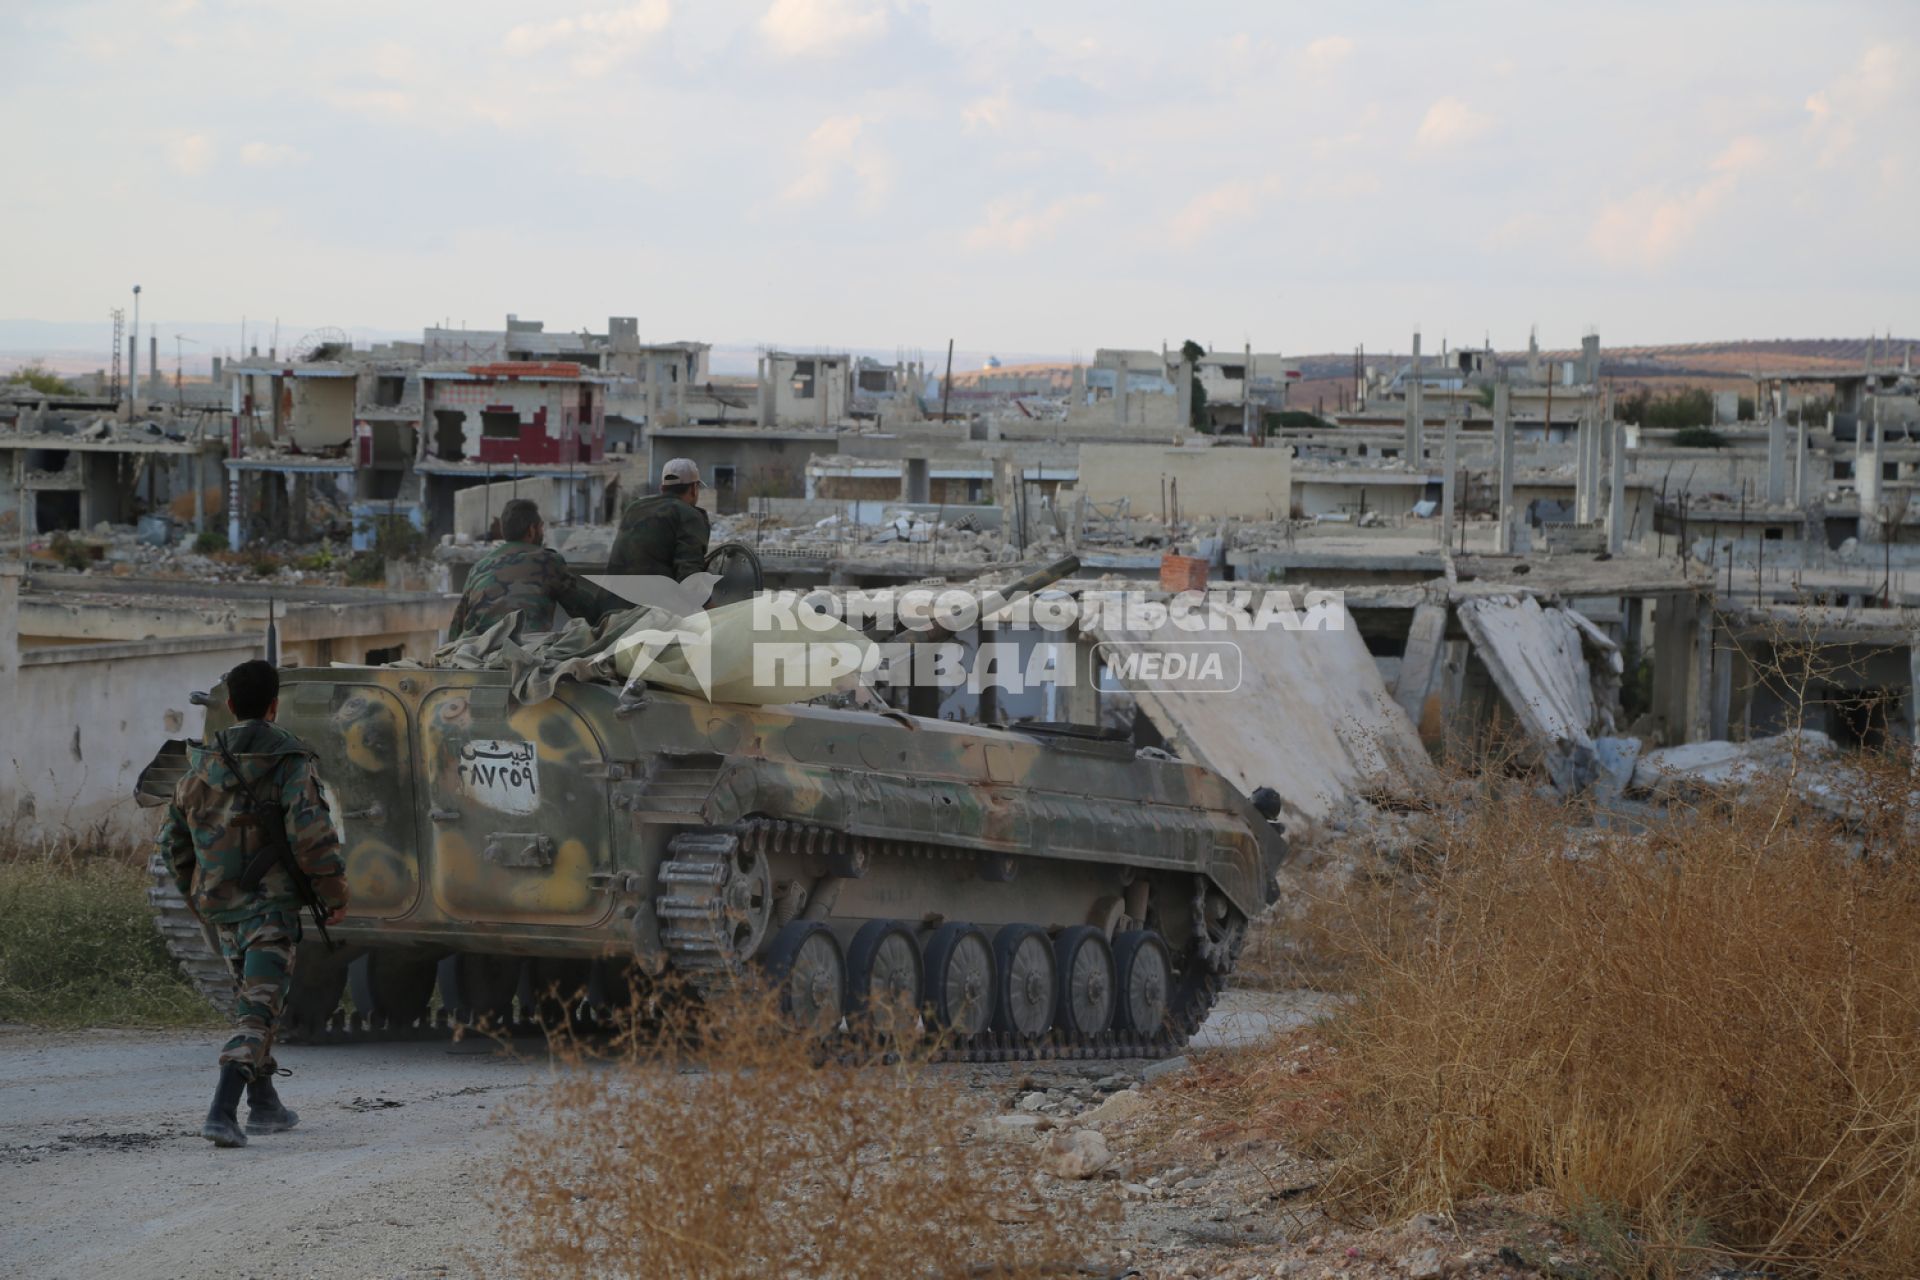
{"points": [[1025, 177]]}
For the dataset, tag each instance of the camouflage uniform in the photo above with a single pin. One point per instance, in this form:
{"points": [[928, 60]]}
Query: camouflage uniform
{"points": [[207, 840], [530, 579], [661, 536]]}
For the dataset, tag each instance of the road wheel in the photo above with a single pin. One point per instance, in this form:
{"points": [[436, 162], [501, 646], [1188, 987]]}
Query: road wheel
{"points": [[1028, 984], [319, 980], [1143, 977], [392, 989], [884, 975], [1085, 962], [960, 979], [806, 966]]}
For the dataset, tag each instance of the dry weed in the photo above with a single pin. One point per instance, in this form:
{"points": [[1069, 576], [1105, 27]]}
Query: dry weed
{"points": [[1702, 1036], [746, 1151]]}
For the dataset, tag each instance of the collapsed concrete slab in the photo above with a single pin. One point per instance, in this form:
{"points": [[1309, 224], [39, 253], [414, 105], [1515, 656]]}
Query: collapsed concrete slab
{"points": [[1537, 658], [1807, 759], [1309, 717]]}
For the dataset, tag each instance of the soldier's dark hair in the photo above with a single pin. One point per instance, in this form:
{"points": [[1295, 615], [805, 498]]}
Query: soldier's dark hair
{"points": [[675, 489], [251, 688], [517, 519]]}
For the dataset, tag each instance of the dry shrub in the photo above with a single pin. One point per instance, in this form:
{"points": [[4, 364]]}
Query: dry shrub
{"points": [[748, 1150], [1703, 1032]]}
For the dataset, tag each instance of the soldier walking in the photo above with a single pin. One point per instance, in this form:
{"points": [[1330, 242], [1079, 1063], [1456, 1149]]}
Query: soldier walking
{"points": [[524, 576], [664, 535], [216, 829]]}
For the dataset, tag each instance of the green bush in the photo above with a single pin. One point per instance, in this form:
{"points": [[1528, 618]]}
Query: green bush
{"points": [[70, 551], [1688, 407], [367, 569], [1699, 438], [208, 541], [79, 948], [39, 378]]}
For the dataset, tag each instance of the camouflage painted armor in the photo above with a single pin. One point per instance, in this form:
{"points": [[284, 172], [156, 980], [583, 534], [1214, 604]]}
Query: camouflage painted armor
{"points": [[660, 536], [207, 840], [529, 579]]}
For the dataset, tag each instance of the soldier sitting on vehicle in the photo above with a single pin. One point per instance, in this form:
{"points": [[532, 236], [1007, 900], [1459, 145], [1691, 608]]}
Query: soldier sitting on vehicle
{"points": [[523, 575], [220, 840], [664, 535]]}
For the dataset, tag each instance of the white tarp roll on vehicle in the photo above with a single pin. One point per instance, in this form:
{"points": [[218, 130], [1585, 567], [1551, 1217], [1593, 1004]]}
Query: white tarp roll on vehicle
{"points": [[743, 653]]}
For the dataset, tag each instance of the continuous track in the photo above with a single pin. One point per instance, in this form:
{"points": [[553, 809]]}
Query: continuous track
{"points": [[703, 898]]}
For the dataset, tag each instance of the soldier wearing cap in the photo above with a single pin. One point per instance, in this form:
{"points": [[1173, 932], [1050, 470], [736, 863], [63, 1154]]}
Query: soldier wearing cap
{"points": [[664, 534]]}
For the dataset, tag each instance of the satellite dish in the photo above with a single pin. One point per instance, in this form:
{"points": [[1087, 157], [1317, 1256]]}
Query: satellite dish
{"points": [[329, 343]]}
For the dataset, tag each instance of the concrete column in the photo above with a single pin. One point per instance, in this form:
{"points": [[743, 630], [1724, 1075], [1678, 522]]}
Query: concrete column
{"points": [[1449, 460], [1866, 482], [1913, 689], [1420, 665], [1720, 657], [1120, 394], [822, 392], [1580, 443], [915, 486], [1416, 410], [10, 575], [1247, 425], [1617, 502], [1080, 701], [1503, 446], [1776, 459], [1801, 457], [1183, 387]]}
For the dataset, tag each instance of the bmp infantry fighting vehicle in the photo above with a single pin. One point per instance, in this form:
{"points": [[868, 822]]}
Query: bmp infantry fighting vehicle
{"points": [[1033, 891]]}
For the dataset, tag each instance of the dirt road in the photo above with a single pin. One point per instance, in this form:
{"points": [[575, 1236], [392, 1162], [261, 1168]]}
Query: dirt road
{"points": [[103, 1171]]}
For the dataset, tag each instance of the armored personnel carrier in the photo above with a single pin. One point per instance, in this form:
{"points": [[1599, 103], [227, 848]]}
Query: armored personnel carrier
{"points": [[1032, 891]]}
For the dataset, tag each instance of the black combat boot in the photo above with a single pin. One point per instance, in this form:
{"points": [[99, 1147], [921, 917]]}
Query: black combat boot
{"points": [[222, 1128], [265, 1112]]}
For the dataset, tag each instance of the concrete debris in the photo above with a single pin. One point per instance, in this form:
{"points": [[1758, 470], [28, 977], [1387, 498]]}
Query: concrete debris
{"points": [[1426, 1264], [1811, 760], [1326, 730], [1537, 659], [1117, 1109], [1075, 1154]]}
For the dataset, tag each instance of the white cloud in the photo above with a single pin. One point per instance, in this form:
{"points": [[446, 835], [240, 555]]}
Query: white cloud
{"points": [[812, 28], [835, 151], [1838, 112], [381, 104], [1013, 225], [1652, 225], [1328, 52], [190, 153], [1450, 122], [987, 114], [600, 39], [1227, 203], [266, 153], [390, 60]]}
